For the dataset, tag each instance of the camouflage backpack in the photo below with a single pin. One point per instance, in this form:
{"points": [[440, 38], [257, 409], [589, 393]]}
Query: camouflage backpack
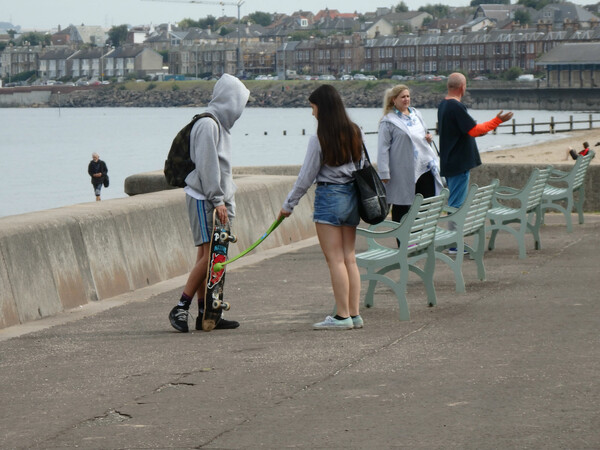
{"points": [[178, 164]]}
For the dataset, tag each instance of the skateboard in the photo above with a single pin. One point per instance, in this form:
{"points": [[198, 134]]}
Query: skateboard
{"points": [[215, 279]]}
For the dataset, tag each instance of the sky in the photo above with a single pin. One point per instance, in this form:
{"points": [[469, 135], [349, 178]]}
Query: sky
{"points": [[48, 14]]}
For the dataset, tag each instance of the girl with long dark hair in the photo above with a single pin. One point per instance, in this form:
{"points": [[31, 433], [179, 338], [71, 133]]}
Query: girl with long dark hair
{"points": [[331, 159]]}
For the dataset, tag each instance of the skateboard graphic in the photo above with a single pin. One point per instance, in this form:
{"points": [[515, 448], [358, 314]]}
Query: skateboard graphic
{"points": [[215, 279]]}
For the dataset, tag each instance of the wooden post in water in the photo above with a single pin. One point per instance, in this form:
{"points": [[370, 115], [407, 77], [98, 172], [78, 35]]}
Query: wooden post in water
{"points": [[533, 125], [552, 125], [591, 122], [571, 123], [514, 126]]}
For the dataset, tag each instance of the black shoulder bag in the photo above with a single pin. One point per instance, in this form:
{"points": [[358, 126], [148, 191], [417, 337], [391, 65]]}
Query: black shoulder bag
{"points": [[372, 202]]}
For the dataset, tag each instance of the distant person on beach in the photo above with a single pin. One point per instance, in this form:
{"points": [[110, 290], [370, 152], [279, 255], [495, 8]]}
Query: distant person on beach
{"points": [[406, 162], [98, 171], [458, 130], [331, 159], [210, 187], [574, 155]]}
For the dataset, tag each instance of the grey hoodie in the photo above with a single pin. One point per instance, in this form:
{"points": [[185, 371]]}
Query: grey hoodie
{"points": [[210, 146]]}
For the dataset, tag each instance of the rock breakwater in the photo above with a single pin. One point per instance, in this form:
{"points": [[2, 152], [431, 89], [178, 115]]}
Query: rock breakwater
{"points": [[270, 94]]}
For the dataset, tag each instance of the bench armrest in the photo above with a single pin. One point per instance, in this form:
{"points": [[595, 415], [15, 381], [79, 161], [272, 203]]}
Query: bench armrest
{"points": [[374, 231], [450, 210], [506, 192]]}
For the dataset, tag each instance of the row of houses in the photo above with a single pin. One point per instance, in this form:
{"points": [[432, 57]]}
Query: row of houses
{"points": [[475, 53], [61, 62], [251, 50]]}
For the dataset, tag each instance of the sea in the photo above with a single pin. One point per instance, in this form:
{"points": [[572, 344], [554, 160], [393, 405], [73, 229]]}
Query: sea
{"points": [[45, 152]]}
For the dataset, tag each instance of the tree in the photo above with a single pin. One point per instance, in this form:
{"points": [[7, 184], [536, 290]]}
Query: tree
{"points": [[186, 23], [489, 2], [536, 4], [513, 73], [522, 16], [261, 18], [117, 35], [401, 7], [35, 38], [208, 22], [438, 11]]}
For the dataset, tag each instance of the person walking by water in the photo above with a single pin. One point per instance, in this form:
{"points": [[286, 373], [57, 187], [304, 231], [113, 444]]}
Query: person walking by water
{"points": [[210, 188], [98, 171], [331, 159], [458, 130], [405, 160]]}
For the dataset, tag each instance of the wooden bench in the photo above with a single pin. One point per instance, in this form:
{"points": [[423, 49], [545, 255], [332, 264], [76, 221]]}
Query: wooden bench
{"points": [[393, 246], [461, 223], [561, 187], [528, 203]]}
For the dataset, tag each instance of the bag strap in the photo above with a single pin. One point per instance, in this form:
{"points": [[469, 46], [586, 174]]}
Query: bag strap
{"points": [[357, 164]]}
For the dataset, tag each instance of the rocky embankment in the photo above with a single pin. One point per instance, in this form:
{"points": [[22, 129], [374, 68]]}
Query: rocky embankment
{"points": [[273, 94]]}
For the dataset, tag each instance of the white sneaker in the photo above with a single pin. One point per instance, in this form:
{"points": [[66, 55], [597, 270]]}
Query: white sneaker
{"points": [[358, 322], [331, 323]]}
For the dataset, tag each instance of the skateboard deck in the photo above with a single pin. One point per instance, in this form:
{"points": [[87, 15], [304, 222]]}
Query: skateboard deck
{"points": [[215, 280]]}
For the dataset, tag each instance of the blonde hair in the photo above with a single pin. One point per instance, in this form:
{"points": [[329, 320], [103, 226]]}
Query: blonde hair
{"points": [[390, 96]]}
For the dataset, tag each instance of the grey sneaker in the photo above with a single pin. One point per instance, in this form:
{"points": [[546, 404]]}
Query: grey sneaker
{"points": [[357, 322], [331, 323]]}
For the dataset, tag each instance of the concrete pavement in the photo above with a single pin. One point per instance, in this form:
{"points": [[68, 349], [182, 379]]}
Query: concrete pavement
{"points": [[512, 363]]}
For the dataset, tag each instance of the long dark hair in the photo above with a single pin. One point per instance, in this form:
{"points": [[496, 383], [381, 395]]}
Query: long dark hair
{"points": [[340, 138]]}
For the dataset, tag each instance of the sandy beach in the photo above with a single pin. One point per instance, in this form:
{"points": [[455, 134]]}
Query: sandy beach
{"points": [[553, 152]]}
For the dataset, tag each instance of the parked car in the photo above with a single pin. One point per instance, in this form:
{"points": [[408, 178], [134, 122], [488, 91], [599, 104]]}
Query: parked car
{"points": [[326, 77], [346, 77], [360, 76]]}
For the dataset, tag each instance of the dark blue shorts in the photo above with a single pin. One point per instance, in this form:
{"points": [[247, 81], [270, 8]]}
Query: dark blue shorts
{"points": [[337, 205]]}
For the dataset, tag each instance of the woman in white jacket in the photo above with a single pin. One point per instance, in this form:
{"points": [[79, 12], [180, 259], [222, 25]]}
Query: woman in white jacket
{"points": [[405, 160]]}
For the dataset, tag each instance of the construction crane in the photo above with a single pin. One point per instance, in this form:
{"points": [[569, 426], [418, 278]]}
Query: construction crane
{"points": [[239, 3]]}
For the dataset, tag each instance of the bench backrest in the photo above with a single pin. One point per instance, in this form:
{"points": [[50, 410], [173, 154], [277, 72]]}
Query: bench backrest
{"points": [[477, 211], [581, 166], [424, 217], [535, 187]]}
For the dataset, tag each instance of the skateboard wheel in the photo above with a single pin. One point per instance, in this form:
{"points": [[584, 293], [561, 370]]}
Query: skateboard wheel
{"points": [[216, 304], [226, 306], [224, 236], [233, 238]]}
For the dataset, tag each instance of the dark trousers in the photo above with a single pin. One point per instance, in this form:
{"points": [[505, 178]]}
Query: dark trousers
{"points": [[425, 186]]}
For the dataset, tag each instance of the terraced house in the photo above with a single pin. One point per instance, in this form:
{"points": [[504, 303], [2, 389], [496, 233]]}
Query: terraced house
{"points": [[383, 43]]}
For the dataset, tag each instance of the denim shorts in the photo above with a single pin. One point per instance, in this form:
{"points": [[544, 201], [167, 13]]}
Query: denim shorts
{"points": [[336, 204]]}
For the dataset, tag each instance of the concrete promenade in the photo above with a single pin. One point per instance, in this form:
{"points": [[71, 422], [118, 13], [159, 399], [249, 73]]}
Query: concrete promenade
{"points": [[512, 363]]}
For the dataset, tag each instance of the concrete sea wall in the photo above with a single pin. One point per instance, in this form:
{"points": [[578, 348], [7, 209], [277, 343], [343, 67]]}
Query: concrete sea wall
{"points": [[51, 261]]}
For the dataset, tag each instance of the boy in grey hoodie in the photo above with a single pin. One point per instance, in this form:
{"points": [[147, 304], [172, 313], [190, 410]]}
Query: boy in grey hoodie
{"points": [[210, 187]]}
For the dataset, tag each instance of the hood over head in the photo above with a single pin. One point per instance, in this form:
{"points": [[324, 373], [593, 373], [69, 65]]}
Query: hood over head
{"points": [[228, 100]]}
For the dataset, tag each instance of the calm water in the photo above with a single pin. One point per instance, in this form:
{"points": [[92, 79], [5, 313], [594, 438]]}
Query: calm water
{"points": [[44, 153]]}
